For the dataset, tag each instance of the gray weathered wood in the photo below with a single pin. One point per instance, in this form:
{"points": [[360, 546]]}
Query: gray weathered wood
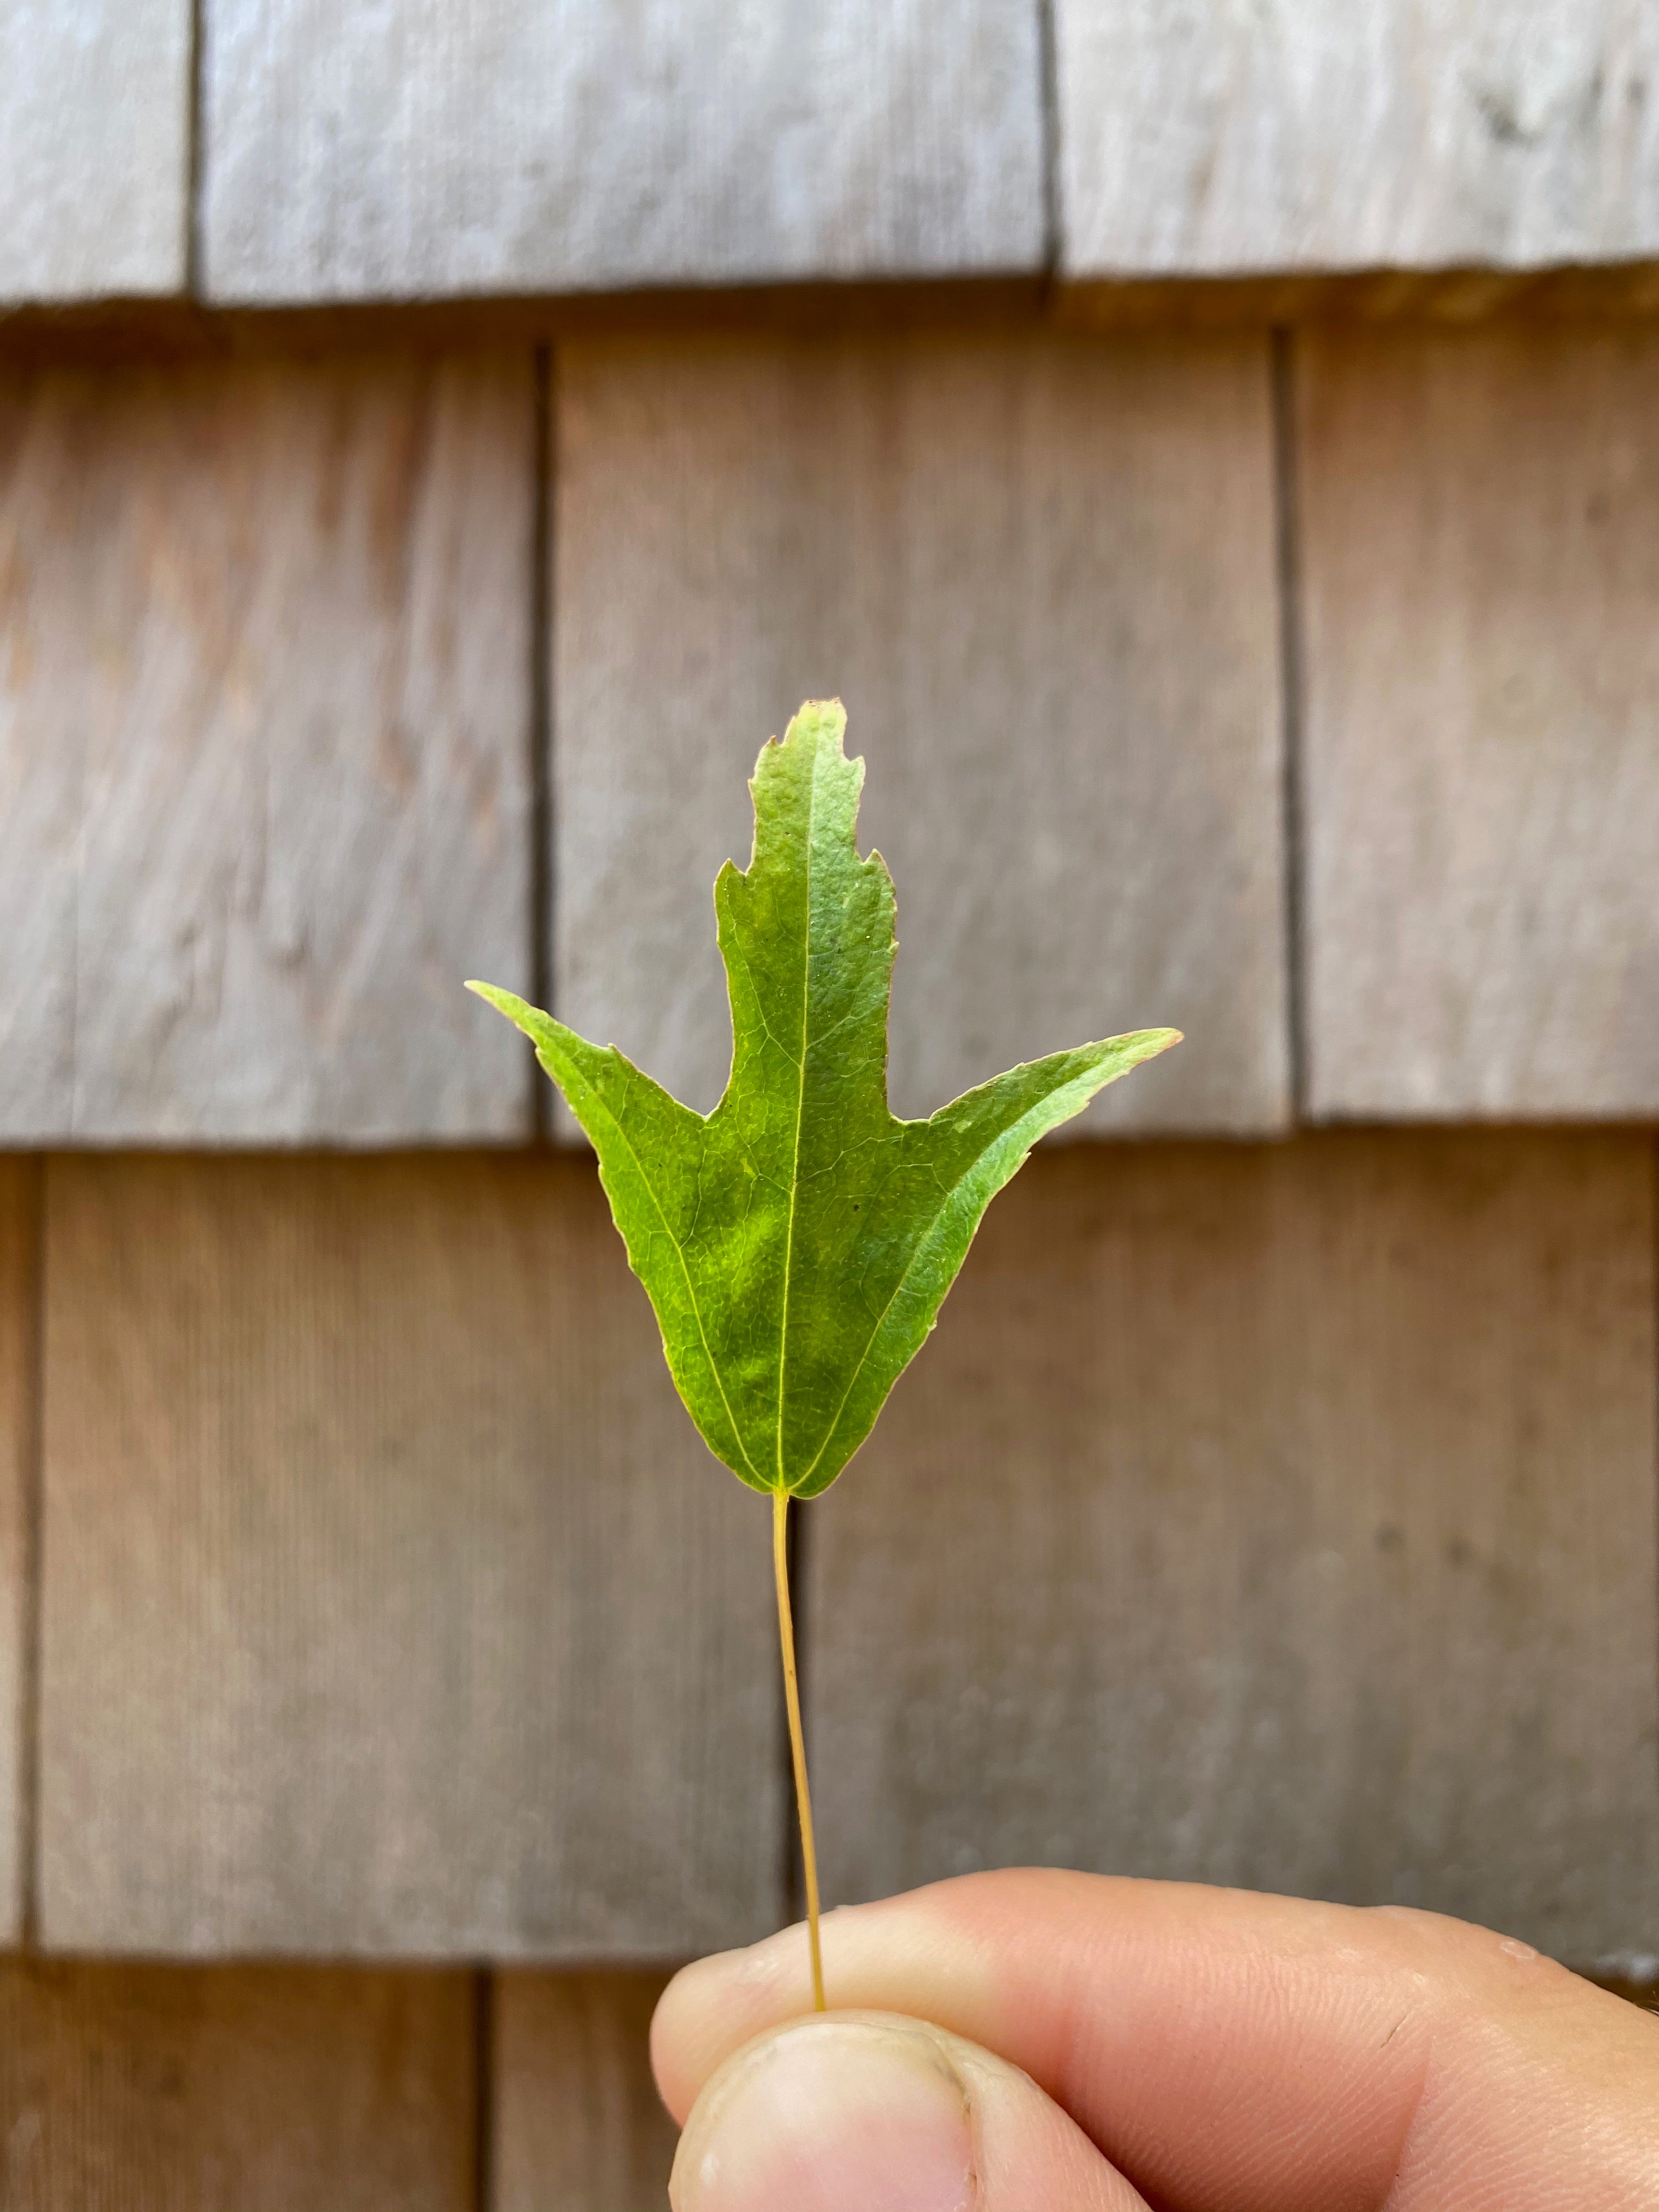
{"points": [[577, 2124], [1281, 1516], [265, 2088], [1480, 560], [391, 1604], [585, 144], [263, 750], [95, 147], [1040, 574], [19, 1187], [1212, 139]]}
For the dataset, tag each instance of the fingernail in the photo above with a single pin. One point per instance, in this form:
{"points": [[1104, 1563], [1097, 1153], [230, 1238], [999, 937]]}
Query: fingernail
{"points": [[831, 2116]]}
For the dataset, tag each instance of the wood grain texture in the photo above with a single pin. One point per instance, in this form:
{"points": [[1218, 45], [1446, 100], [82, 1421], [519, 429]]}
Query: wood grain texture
{"points": [[264, 703], [1207, 139], [1040, 574], [1281, 1516], [1480, 561], [152, 2088], [577, 2124], [19, 1430], [95, 147], [587, 144], [391, 1604]]}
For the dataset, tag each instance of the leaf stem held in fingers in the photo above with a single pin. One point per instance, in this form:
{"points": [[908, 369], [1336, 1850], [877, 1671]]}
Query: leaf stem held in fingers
{"points": [[797, 1743]]}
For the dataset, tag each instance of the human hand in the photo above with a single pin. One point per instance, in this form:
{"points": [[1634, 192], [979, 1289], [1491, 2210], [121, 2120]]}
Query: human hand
{"points": [[1046, 2042]]}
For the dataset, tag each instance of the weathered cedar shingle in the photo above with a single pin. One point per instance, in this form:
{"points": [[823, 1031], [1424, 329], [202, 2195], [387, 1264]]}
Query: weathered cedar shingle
{"points": [[577, 2124], [1281, 1516], [391, 1604], [1040, 574], [1480, 564], [161, 2088], [1213, 139], [94, 152], [586, 145], [264, 701]]}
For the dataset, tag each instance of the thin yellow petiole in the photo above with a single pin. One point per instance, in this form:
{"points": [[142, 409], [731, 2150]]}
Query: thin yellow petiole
{"points": [[797, 1742]]}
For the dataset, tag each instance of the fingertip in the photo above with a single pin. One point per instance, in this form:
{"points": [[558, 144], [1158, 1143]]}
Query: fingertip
{"points": [[827, 2112], [875, 2112], [717, 2003]]}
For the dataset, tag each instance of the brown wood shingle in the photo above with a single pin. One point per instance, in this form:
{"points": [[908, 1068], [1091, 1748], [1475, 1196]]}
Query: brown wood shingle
{"points": [[152, 2088], [391, 1604], [1480, 558], [578, 145], [1212, 140], [265, 637], [1040, 574], [95, 148], [578, 2124], [1281, 1516]]}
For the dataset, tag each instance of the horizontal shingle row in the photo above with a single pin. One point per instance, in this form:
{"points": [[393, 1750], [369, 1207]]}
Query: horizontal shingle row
{"points": [[362, 2088], [408, 150], [1280, 1515], [269, 2085], [1309, 708]]}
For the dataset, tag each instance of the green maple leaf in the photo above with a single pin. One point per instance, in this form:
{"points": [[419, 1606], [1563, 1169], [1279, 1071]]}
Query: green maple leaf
{"points": [[798, 1241]]}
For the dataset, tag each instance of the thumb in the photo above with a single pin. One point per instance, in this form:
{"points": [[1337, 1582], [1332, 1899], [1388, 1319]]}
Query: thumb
{"points": [[871, 2112]]}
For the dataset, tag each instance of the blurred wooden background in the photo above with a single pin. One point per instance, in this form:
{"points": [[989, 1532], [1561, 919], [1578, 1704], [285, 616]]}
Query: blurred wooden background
{"points": [[1216, 456]]}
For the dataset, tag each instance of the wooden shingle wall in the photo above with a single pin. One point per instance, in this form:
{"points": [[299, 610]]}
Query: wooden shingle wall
{"points": [[436, 448]]}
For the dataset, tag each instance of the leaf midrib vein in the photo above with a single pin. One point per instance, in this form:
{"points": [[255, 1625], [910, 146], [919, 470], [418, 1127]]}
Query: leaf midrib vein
{"points": [[800, 1107]]}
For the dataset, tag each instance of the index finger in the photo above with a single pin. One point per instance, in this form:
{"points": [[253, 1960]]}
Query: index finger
{"points": [[1231, 2052]]}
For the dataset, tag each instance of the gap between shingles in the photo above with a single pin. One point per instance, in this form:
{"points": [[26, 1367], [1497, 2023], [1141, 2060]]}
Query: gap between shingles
{"points": [[542, 824], [32, 1440], [1048, 122], [195, 150], [484, 2088], [1287, 547]]}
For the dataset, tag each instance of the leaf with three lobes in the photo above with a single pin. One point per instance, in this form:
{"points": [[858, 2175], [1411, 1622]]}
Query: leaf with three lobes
{"points": [[797, 1242]]}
